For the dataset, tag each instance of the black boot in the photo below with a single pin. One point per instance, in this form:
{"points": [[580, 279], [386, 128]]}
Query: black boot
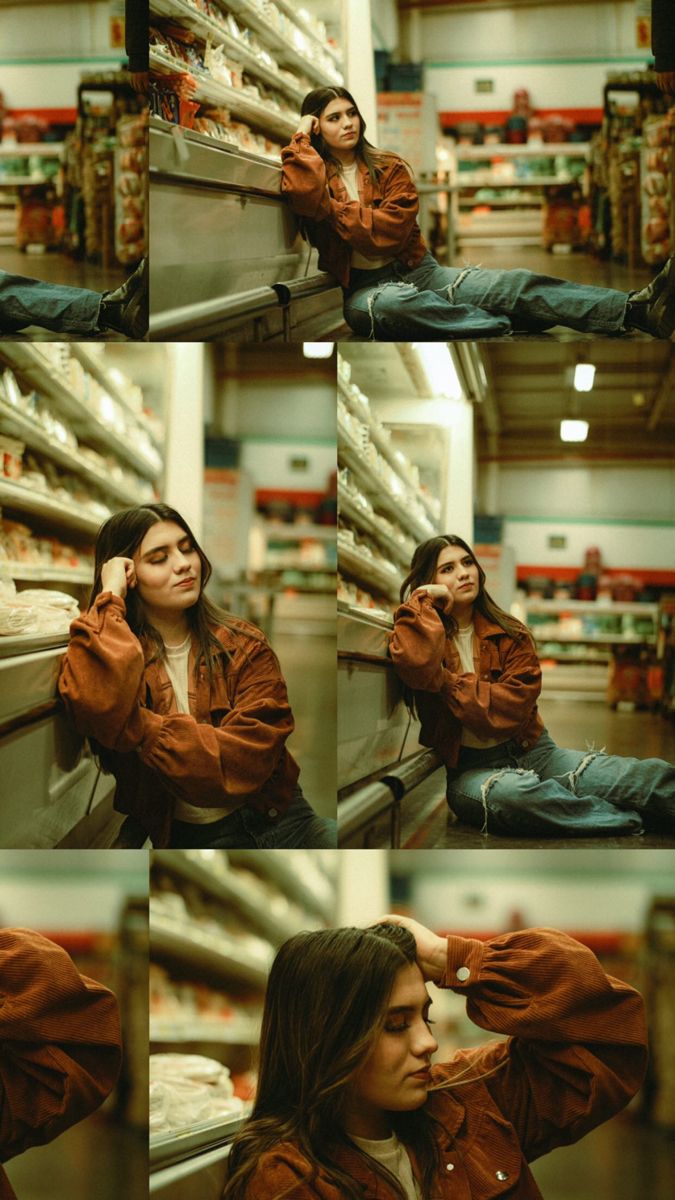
{"points": [[653, 308], [126, 309]]}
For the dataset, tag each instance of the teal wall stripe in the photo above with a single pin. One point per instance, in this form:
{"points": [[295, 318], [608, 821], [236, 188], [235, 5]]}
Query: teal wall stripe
{"points": [[631, 521], [540, 62]]}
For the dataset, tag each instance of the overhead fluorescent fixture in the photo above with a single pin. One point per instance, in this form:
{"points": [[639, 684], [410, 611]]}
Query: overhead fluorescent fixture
{"points": [[573, 431], [317, 349], [584, 374], [439, 368]]}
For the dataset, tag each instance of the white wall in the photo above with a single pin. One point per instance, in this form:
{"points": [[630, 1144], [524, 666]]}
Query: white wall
{"points": [[74, 890], [30, 34], [623, 545], [537, 47], [269, 464]]}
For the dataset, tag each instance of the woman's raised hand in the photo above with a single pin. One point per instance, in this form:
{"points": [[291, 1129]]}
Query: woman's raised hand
{"points": [[439, 595], [118, 575], [308, 124], [432, 950]]}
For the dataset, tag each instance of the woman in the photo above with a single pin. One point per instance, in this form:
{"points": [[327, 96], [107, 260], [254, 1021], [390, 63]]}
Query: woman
{"points": [[185, 704], [475, 679], [60, 1044], [358, 206], [348, 1104]]}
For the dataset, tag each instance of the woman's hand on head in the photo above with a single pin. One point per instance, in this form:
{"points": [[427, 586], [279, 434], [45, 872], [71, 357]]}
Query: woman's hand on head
{"points": [[308, 124], [439, 595], [432, 950], [118, 575]]}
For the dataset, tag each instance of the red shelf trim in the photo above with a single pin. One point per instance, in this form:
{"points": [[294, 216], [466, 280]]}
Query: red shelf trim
{"points": [[570, 574]]}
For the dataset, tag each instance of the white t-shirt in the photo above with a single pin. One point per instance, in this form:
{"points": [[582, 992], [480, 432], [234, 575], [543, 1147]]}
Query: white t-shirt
{"points": [[394, 1156], [463, 640], [350, 176], [176, 661]]}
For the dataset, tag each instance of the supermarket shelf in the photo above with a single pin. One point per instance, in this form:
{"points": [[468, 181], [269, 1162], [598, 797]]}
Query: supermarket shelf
{"points": [[299, 533], [597, 607], [230, 890], [23, 180], [277, 869], [526, 150], [96, 367], [26, 149], [31, 643], [203, 25], [465, 180], [39, 504], [37, 439], [498, 202], [220, 1033], [367, 572], [368, 524], [31, 571], [287, 8], [176, 943], [277, 42], [602, 639], [236, 100], [27, 359], [214, 168], [353, 457], [167, 1148], [384, 446]]}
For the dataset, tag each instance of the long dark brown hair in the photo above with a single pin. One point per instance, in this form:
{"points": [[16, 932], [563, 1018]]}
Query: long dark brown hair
{"points": [[121, 535], [325, 1007], [374, 159]]}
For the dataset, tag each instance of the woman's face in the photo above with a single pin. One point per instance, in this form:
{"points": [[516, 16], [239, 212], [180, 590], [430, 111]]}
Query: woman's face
{"points": [[458, 571], [340, 124], [168, 568], [395, 1077]]}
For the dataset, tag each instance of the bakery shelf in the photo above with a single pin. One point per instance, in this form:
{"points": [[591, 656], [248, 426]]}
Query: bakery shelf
{"points": [[237, 1033], [38, 371], [276, 41], [367, 572], [17, 424], [277, 868], [39, 504], [230, 890], [367, 523], [352, 456], [201, 24], [33, 571], [31, 643], [288, 8], [178, 1145], [96, 367], [168, 939], [211, 90]]}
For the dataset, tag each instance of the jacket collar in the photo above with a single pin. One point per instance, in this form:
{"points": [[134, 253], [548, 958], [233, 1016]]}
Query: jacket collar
{"points": [[484, 627]]}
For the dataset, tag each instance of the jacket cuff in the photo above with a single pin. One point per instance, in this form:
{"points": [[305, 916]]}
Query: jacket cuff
{"points": [[110, 599], [464, 963]]}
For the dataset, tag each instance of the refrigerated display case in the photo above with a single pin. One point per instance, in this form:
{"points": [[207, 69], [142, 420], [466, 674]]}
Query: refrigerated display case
{"points": [[227, 84], [217, 919], [75, 447]]}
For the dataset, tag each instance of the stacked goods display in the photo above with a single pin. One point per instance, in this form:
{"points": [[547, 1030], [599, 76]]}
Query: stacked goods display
{"points": [[656, 186], [236, 71], [131, 160]]}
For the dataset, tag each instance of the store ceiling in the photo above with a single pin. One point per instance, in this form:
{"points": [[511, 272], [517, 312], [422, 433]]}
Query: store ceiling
{"points": [[630, 410]]}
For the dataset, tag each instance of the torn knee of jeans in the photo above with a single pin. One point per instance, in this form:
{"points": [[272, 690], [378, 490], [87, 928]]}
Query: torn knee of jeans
{"points": [[452, 287], [575, 774], [489, 783], [377, 292]]}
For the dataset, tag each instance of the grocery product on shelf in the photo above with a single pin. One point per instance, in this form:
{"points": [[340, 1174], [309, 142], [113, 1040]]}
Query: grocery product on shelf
{"points": [[188, 1089], [656, 187], [131, 158], [34, 611]]}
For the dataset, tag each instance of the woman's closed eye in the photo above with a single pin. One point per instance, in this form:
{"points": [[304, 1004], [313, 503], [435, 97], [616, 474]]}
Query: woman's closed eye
{"points": [[401, 1027]]}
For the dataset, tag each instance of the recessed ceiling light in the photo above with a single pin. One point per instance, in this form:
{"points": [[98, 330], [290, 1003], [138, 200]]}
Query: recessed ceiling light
{"points": [[573, 431]]}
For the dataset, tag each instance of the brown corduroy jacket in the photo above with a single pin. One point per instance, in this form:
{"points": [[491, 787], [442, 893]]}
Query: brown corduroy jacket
{"points": [[60, 1044], [228, 751], [576, 1053], [498, 700], [384, 222]]}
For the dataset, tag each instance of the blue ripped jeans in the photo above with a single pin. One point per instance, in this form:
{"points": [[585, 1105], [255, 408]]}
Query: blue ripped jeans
{"points": [[54, 306], [398, 303], [551, 792], [246, 828]]}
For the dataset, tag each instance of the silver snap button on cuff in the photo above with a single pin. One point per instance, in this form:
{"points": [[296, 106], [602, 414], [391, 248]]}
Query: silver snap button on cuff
{"points": [[501, 1175], [463, 974]]}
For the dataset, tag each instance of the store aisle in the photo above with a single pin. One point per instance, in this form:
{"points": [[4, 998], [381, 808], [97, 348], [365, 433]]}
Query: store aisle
{"points": [[314, 709], [427, 823], [59, 268]]}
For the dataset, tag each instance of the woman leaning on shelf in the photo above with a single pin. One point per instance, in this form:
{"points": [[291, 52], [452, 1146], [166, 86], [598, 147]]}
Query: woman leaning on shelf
{"points": [[358, 205], [184, 703], [473, 677], [349, 1105], [60, 1045]]}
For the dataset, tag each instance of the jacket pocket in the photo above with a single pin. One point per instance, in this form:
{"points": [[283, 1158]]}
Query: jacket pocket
{"points": [[494, 1162]]}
